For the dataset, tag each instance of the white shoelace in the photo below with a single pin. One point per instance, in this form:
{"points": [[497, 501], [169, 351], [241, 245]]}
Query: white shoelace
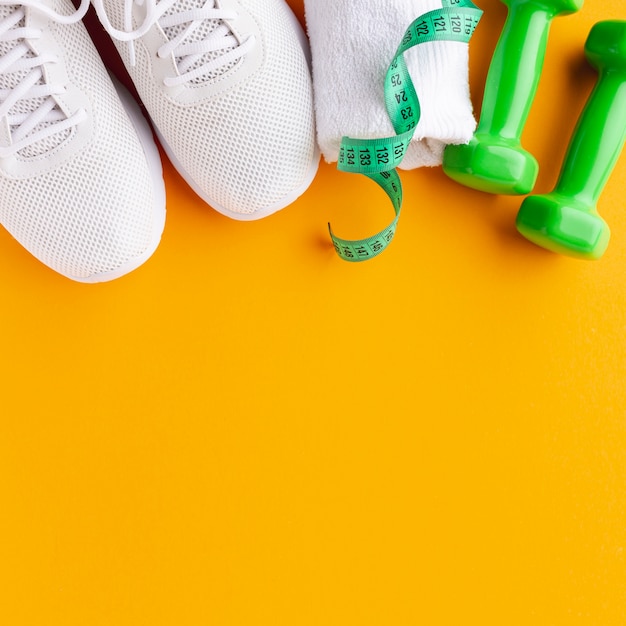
{"points": [[30, 124], [192, 62]]}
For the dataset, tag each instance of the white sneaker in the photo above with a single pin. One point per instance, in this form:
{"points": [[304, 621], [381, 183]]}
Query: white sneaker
{"points": [[80, 178], [228, 87]]}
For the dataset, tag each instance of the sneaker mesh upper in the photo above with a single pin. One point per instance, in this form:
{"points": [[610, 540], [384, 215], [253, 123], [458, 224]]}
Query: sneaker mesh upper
{"points": [[249, 147]]}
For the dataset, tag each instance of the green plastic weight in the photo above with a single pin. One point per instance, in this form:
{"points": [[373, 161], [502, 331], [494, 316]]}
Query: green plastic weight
{"points": [[494, 160], [566, 220]]}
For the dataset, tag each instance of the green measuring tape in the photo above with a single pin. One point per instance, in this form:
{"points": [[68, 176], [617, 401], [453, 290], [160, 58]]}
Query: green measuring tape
{"points": [[378, 158]]}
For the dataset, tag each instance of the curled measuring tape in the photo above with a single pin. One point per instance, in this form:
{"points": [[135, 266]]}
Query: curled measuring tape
{"points": [[378, 158]]}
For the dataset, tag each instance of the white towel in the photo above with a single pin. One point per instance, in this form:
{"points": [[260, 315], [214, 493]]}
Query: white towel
{"points": [[352, 44]]}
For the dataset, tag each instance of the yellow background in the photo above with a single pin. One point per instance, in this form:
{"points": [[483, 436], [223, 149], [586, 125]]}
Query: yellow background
{"points": [[248, 430]]}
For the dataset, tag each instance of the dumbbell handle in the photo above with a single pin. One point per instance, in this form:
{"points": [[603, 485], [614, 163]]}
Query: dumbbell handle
{"points": [[515, 70], [597, 141]]}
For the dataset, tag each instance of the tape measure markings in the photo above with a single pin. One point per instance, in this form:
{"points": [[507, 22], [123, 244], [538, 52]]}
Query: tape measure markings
{"points": [[378, 158]]}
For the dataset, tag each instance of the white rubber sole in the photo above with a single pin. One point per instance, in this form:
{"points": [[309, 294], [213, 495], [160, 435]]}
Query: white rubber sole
{"points": [[144, 133]]}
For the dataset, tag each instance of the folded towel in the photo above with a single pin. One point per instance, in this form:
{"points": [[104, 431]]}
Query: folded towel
{"points": [[352, 44]]}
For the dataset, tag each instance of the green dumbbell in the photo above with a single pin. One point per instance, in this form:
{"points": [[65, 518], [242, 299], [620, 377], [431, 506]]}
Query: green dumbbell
{"points": [[494, 160], [566, 220]]}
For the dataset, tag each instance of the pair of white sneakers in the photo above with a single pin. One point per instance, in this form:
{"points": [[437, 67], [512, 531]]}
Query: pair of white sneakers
{"points": [[226, 84]]}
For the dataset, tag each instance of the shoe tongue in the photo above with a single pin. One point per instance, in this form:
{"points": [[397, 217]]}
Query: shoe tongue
{"points": [[203, 31], [10, 80]]}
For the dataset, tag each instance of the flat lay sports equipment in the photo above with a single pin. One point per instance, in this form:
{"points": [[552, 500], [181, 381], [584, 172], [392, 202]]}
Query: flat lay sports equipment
{"points": [[566, 220], [80, 176], [494, 160], [228, 88], [378, 158]]}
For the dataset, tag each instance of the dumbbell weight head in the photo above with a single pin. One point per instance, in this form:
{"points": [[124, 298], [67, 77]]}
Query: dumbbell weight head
{"points": [[493, 164], [605, 47], [563, 225]]}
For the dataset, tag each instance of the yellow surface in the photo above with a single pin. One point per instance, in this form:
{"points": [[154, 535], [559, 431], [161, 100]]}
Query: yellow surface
{"points": [[249, 431]]}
